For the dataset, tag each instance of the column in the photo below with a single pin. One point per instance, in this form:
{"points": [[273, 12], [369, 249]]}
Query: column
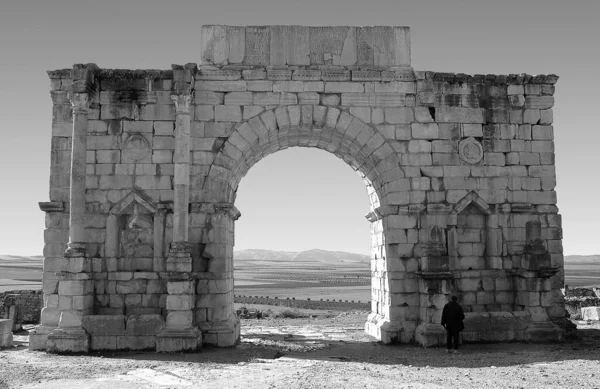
{"points": [[215, 310], [180, 258], [75, 286], [181, 332], [76, 245]]}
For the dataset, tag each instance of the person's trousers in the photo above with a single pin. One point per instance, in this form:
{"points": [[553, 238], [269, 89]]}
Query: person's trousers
{"points": [[452, 339]]}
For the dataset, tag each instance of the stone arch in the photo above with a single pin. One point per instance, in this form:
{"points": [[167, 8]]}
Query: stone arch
{"points": [[325, 127], [328, 128]]}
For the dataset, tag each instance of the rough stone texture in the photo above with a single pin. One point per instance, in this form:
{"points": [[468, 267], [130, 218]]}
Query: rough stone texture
{"points": [[459, 170], [21, 306], [6, 336], [590, 313]]}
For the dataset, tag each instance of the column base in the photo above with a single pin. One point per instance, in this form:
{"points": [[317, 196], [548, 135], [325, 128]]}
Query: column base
{"points": [[383, 330], [180, 257], [39, 336], [544, 332], [76, 249], [225, 334], [430, 334], [68, 340], [172, 340]]}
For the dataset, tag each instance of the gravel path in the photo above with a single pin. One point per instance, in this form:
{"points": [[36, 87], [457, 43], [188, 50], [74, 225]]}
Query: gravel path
{"points": [[316, 353]]}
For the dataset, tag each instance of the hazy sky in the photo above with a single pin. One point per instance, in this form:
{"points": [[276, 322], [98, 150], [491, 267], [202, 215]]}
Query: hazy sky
{"points": [[297, 198]]}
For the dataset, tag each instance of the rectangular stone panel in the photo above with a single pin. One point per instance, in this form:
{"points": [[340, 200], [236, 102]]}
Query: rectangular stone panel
{"points": [[380, 46]]}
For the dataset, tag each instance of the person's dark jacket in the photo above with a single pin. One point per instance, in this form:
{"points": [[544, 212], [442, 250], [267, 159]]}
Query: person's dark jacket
{"points": [[452, 317]]}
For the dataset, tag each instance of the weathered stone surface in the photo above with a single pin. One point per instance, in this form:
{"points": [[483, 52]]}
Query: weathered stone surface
{"points": [[98, 325], [590, 313], [144, 325], [456, 166]]}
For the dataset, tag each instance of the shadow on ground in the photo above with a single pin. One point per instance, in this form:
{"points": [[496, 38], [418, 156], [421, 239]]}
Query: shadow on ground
{"points": [[267, 346]]}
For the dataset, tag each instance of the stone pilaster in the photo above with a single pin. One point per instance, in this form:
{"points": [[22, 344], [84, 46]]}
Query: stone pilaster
{"points": [[76, 245], [75, 286], [180, 258], [215, 311]]}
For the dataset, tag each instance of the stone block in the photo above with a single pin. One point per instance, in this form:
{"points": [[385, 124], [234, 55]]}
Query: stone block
{"points": [[103, 325], [180, 319], [132, 286], [75, 288], [103, 343], [477, 321], [180, 287], [425, 131], [180, 302], [6, 336], [145, 325], [130, 342], [590, 313]]}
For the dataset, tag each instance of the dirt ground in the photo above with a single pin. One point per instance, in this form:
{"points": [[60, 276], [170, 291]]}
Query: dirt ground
{"points": [[327, 351]]}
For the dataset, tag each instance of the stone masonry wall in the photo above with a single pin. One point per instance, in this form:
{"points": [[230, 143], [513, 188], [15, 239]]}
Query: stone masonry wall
{"points": [[459, 170], [29, 303], [503, 123]]}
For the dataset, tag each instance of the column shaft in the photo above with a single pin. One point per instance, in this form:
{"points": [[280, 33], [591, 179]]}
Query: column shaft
{"points": [[78, 170], [181, 159]]}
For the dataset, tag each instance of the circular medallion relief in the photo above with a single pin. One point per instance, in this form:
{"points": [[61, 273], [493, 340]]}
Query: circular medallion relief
{"points": [[136, 147], [470, 150]]}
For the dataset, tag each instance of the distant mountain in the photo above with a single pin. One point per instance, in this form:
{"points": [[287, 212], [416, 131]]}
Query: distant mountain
{"points": [[314, 255], [580, 259]]}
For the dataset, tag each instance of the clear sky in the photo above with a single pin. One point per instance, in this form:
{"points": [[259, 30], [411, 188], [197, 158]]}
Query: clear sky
{"points": [[297, 198]]}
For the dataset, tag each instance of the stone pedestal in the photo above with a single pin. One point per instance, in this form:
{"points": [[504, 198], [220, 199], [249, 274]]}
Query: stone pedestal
{"points": [[172, 340], [430, 334], [68, 340], [39, 336], [382, 328]]}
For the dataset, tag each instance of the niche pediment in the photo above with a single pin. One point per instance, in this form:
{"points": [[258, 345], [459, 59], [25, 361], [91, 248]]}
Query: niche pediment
{"points": [[133, 203], [472, 198]]}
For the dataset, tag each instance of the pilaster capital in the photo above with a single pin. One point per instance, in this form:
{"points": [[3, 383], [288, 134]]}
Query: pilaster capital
{"points": [[80, 102], [182, 103]]}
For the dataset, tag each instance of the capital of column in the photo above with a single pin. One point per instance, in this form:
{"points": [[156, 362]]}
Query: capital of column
{"points": [[80, 102], [182, 103]]}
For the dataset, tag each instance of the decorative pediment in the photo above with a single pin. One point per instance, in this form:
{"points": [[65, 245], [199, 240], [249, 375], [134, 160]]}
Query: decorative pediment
{"points": [[132, 203], [474, 199]]}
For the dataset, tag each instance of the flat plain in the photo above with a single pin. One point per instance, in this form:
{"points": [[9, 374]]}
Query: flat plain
{"points": [[314, 274]]}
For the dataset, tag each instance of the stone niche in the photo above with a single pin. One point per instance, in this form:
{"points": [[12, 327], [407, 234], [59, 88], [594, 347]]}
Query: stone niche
{"points": [[131, 234]]}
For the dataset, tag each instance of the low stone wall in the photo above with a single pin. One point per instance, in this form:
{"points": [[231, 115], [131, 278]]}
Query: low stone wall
{"points": [[578, 298], [29, 303], [304, 304]]}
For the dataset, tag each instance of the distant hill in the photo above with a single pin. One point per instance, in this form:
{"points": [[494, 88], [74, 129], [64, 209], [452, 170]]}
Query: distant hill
{"points": [[582, 259], [314, 255]]}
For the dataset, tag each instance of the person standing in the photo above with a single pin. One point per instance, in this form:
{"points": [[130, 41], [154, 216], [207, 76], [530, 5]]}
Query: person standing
{"points": [[452, 321]]}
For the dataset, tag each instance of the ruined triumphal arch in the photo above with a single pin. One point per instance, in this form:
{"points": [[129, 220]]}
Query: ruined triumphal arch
{"points": [[146, 164]]}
